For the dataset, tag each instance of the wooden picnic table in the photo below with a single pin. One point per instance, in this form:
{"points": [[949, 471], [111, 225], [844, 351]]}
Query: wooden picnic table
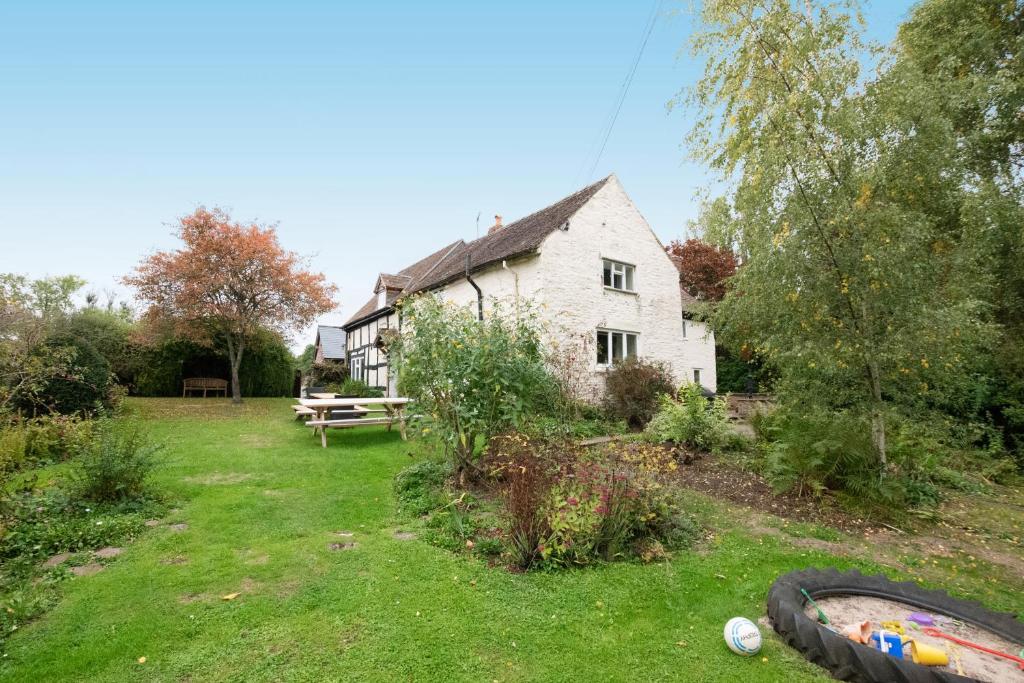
{"points": [[323, 395], [392, 409]]}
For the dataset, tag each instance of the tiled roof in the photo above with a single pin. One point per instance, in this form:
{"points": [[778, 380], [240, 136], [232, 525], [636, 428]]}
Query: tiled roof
{"points": [[393, 281], [331, 340], [447, 264], [407, 276], [515, 239]]}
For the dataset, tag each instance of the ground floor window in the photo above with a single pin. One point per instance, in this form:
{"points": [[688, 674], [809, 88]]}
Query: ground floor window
{"points": [[355, 367], [614, 346], [696, 375]]}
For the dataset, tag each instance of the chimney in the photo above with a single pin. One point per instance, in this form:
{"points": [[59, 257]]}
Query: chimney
{"points": [[497, 225]]}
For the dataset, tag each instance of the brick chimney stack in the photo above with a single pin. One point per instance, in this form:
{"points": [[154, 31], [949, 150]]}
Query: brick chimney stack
{"points": [[497, 225]]}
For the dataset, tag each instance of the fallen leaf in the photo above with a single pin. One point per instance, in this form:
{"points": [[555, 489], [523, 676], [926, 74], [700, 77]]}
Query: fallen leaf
{"points": [[230, 596], [142, 660]]}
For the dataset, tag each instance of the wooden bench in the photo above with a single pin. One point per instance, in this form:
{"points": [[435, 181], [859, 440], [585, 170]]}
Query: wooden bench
{"points": [[354, 412], [302, 411], [204, 384]]}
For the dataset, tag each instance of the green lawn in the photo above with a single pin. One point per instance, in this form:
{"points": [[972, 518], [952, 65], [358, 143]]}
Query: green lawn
{"points": [[262, 501]]}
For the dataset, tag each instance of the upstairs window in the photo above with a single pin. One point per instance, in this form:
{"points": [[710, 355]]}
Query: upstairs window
{"points": [[619, 276], [615, 346]]}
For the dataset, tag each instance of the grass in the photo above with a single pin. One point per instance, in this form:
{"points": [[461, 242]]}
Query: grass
{"points": [[263, 502]]}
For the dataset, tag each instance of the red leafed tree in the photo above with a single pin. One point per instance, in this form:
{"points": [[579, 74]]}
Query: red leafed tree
{"points": [[703, 268], [228, 281]]}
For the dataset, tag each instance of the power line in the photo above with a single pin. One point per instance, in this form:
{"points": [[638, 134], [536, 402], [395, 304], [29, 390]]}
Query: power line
{"points": [[652, 19]]}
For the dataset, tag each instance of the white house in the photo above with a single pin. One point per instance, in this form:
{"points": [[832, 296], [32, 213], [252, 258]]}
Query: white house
{"points": [[590, 262]]}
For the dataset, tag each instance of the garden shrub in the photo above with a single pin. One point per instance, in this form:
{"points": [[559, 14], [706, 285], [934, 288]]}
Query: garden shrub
{"points": [[85, 389], [632, 388], [832, 452], [327, 373], [475, 378], [42, 440], [419, 487], [569, 507], [526, 490], [115, 466], [691, 420], [355, 388], [558, 428], [614, 504]]}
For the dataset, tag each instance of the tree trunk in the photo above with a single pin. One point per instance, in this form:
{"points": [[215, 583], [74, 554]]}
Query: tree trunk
{"points": [[235, 360], [877, 418]]}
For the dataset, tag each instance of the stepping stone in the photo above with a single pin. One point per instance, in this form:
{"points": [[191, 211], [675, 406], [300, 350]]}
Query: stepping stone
{"points": [[181, 526], [87, 569], [152, 522], [56, 559], [341, 546], [108, 552], [404, 536], [177, 559], [344, 534]]}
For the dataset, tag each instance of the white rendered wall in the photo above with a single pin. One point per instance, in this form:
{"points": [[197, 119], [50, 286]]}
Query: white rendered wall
{"points": [[565, 280]]}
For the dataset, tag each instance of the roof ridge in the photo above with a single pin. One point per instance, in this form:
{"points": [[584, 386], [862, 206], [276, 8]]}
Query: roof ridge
{"points": [[451, 247], [592, 187]]}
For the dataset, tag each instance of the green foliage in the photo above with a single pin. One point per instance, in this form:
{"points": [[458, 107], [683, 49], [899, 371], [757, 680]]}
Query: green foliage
{"points": [[692, 420], [855, 315], [632, 388], [613, 505], [355, 388], [84, 389], [566, 506], [329, 372], [815, 453], [116, 465], [474, 378], [266, 369], [418, 487], [42, 440], [558, 428], [734, 375], [304, 360], [110, 334]]}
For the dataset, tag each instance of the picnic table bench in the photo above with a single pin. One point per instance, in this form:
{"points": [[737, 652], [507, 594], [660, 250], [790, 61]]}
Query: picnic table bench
{"points": [[354, 413], [204, 384]]}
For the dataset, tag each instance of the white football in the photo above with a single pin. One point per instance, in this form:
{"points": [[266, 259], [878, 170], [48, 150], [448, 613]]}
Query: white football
{"points": [[742, 636]]}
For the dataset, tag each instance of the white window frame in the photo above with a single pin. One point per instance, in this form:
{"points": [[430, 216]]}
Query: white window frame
{"points": [[624, 273], [609, 346], [355, 367]]}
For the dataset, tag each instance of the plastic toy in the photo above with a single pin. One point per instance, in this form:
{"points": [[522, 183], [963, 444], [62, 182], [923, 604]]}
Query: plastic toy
{"points": [[888, 643], [936, 633]]}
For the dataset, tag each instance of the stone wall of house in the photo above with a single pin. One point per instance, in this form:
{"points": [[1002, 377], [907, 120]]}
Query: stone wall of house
{"points": [[566, 281]]}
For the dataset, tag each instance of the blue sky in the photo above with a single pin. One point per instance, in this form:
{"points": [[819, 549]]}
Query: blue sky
{"points": [[372, 133]]}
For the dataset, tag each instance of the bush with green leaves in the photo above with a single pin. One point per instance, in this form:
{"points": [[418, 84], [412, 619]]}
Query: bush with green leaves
{"points": [[42, 440], [815, 453], [419, 487], [474, 378], [355, 388], [691, 420], [84, 390], [114, 467], [632, 388]]}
